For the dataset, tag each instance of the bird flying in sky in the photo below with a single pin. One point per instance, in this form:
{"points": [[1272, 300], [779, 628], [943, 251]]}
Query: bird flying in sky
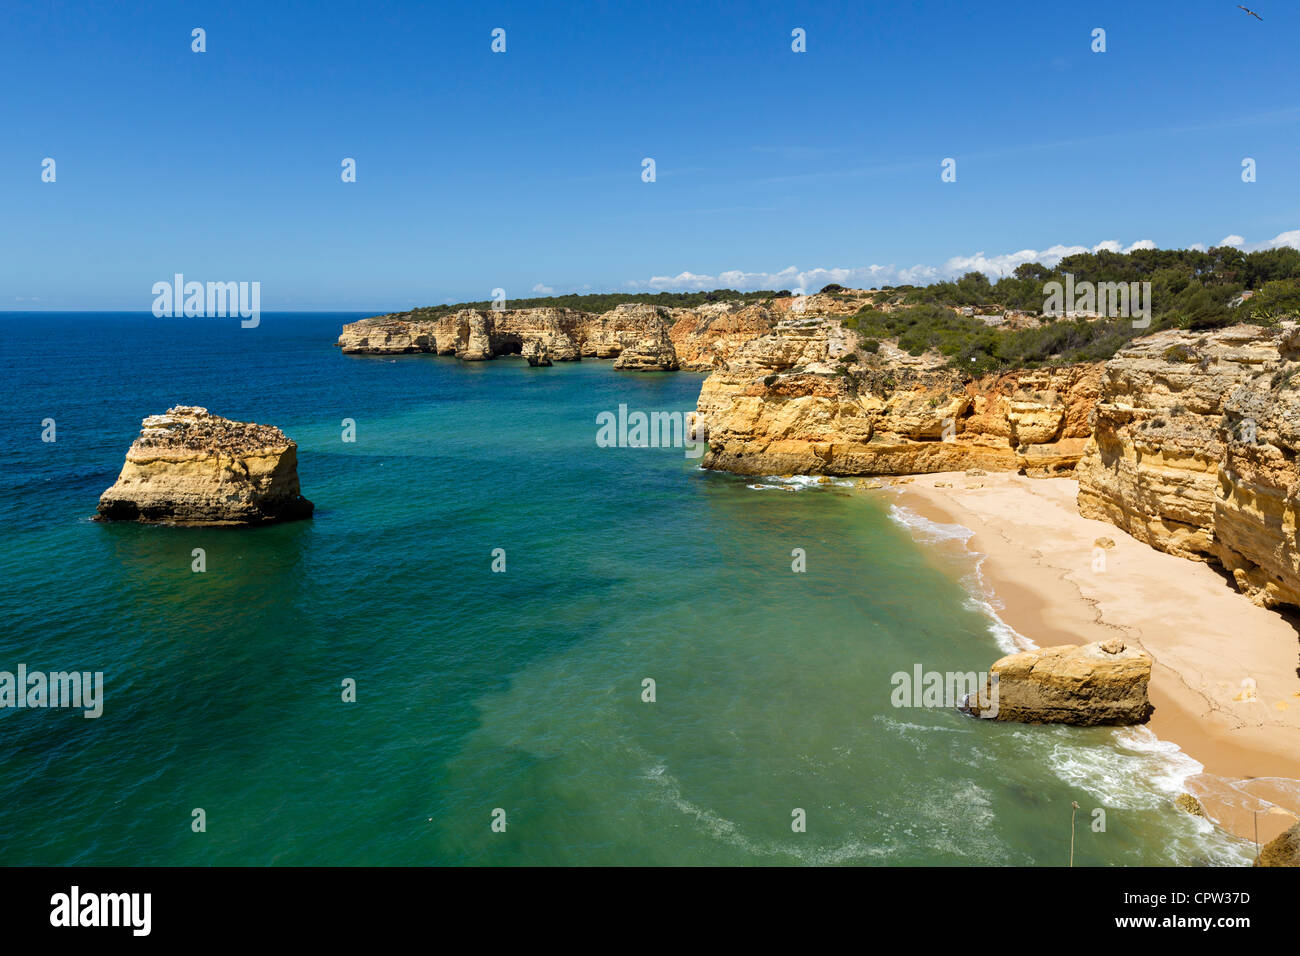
{"points": [[1251, 12]]}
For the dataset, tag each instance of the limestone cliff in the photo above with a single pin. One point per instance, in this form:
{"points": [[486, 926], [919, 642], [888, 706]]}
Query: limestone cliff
{"points": [[194, 468], [706, 336], [1102, 683], [632, 326], [655, 338], [651, 350], [470, 334], [801, 400], [1194, 452]]}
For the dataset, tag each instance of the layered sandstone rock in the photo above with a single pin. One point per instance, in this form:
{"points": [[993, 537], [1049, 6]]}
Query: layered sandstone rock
{"points": [[470, 334], [1257, 503], [651, 351], [1284, 850], [475, 344], [389, 335], [633, 325], [1101, 683], [846, 302], [800, 400], [706, 336], [536, 354], [1194, 452], [191, 467], [1152, 465], [657, 338]]}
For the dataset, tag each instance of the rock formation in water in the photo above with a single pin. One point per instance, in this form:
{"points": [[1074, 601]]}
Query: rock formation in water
{"points": [[1089, 684], [651, 350], [194, 468], [800, 400], [652, 337], [536, 354], [1189, 804], [1194, 452], [469, 334]]}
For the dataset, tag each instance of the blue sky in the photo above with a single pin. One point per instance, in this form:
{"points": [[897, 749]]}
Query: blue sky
{"points": [[522, 170]]}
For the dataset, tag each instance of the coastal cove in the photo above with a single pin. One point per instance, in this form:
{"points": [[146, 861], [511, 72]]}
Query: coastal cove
{"points": [[1232, 705], [519, 690]]}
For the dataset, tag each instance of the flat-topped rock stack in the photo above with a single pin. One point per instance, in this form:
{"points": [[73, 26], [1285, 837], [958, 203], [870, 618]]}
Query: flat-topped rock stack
{"points": [[1085, 685], [191, 467]]}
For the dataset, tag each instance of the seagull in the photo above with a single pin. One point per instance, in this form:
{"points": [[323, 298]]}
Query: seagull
{"points": [[1251, 12]]}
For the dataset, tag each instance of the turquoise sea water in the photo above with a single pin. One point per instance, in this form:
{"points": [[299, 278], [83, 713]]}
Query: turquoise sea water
{"points": [[477, 690]]}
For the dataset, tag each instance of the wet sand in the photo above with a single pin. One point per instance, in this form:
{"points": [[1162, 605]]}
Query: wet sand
{"points": [[1224, 685]]}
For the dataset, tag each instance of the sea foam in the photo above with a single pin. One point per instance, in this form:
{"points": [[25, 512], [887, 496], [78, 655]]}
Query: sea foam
{"points": [[1138, 770]]}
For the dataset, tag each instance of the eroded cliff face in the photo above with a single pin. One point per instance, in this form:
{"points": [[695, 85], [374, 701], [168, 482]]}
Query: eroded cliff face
{"points": [[651, 337], [708, 335], [651, 349], [1152, 466], [195, 468], [800, 400], [471, 335], [1194, 452]]}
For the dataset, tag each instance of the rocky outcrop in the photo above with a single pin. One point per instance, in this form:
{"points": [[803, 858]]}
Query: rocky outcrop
{"points": [[845, 302], [1194, 452], [1085, 685], [633, 325], [194, 468], [536, 354], [651, 351], [707, 336], [657, 338], [1152, 465], [389, 335], [474, 339], [1257, 502], [801, 400], [471, 335], [1283, 850]]}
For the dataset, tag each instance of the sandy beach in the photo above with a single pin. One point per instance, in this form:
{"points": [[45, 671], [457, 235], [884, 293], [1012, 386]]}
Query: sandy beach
{"points": [[1224, 685]]}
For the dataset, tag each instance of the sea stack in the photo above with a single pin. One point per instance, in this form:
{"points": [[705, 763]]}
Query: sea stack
{"points": [[1100, 683], [190, 467]]}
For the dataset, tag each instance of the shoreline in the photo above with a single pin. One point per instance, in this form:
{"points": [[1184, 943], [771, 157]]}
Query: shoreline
{"points": [[1208, 640]]}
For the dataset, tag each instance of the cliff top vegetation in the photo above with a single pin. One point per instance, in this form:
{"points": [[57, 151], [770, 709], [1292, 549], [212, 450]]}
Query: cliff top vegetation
{"points": [[1189, 289]]}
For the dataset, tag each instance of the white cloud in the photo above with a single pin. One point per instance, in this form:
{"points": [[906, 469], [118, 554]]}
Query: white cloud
{"points": [[541, 289], [996, 266], [1281, 240]]}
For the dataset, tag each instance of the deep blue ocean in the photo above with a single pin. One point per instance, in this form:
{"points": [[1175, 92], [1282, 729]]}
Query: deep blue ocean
{"points": [[514, 696]]}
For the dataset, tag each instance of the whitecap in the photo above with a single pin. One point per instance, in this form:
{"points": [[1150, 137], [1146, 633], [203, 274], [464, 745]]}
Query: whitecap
{"points": [[800, 482], [926, 529]]}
